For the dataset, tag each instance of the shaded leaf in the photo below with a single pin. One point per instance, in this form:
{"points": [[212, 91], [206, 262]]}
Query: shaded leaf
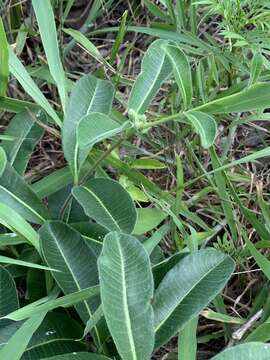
{"points": [[108, 203], [26, 134], [187, 288], [17, 194]]}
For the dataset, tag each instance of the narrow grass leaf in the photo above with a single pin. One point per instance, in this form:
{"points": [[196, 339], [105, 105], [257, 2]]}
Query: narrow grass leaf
{"points": [[45, 18], [63, 301], [21, 74], [16, 346], [4, 67], [253, 98]]}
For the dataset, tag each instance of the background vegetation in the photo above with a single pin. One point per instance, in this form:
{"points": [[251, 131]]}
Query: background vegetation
{"points": [[134, 179]]}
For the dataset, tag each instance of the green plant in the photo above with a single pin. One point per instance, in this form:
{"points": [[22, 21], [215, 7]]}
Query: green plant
{"points": [[78, 240]]}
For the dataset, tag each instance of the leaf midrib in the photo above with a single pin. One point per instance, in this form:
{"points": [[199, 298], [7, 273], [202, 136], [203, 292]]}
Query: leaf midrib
{"points": [[104, 207], [125, 302]]}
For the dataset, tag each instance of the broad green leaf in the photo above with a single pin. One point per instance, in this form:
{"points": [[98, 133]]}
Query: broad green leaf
{"points": [[45, 18], [78, 356], [253, 98], [148, 219], [65, 249], [64, 301], [4, 68], [249, 351], [58, 334], [108, 203], [17, 194], [126, 287], [21, 74], [96, 127], [19, 341], [260, 333], [155, 69], [181, 72], [204, 125], [26, 133], [8, 294], [89, 95], [187, 288]]}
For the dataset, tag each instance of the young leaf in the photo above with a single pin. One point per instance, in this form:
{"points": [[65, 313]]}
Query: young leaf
{"points": [[205, 125], [89, 95], [182, 72], [45, 19], [18, 195], [253, 98], [96, 127], [148, 219], [187, 288], [26, 133], [8, 294], [16, 346], [4, 68], [108, 203], [155, 69], [64, 249], [126, 287], [249, 351]]}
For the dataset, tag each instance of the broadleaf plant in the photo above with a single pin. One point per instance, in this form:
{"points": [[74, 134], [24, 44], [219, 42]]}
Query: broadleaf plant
{"points": [[124, 208]]}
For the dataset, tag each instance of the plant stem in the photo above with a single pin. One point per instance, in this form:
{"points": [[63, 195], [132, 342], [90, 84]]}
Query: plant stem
{"points": [[99, 160], [162, 120]]}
